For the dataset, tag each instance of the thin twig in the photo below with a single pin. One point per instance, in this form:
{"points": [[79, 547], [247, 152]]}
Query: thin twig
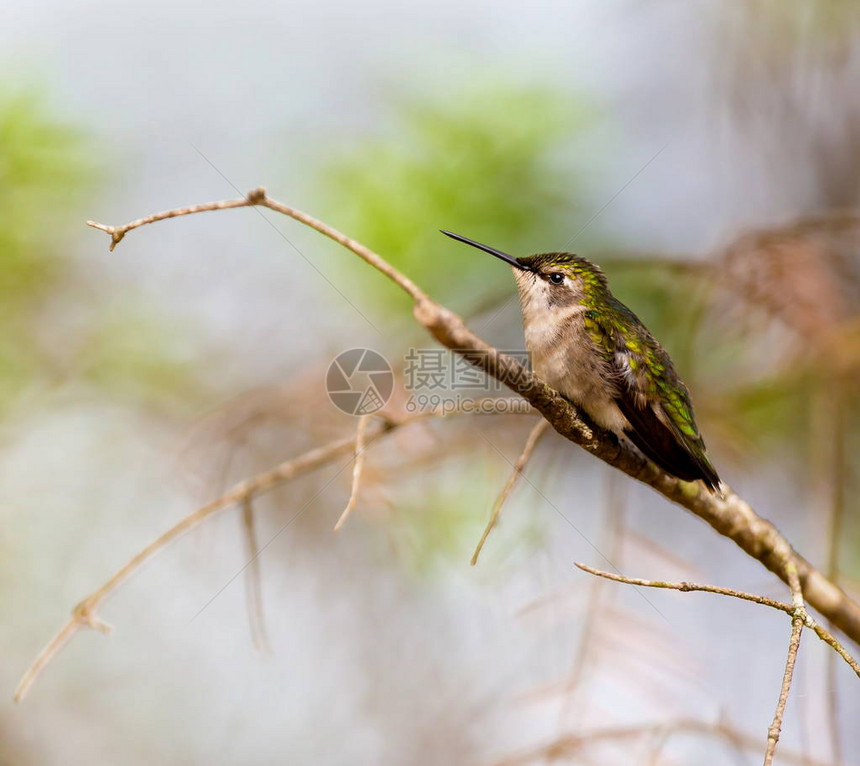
{"points": [[258, 197], [522, 461], [356, 470], [688, 587], [365, 253], [797, 620], [118, 232], [775, 728]]}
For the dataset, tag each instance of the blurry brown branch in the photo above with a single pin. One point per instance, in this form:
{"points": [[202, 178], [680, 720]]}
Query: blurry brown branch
{"points": [[573, 745], [804, 274], [829, 468], [253, 579], [596, 608], [728, 513], [84, 614], [360, 432], [241, 494], [534, 437]]}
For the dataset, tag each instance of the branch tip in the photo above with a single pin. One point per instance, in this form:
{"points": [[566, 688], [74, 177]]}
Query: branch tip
{"points": [[116, 234]]}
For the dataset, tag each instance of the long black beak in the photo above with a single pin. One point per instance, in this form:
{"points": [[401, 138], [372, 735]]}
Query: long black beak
{"points": [[491, 250]]}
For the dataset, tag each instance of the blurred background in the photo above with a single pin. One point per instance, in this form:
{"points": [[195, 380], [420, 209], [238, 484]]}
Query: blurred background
{"points": [[706, 154]]}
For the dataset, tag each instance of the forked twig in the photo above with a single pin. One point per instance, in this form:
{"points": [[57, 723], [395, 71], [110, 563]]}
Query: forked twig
{"points": [[800, 618], [118, 232], [522, 461], [688, 587]]}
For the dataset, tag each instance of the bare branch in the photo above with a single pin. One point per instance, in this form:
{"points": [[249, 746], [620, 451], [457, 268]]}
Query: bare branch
{"points": [[534, 437], [118, 232]]}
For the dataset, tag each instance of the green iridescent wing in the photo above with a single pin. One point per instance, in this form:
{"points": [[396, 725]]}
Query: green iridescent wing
{"points": [[650, 394]]}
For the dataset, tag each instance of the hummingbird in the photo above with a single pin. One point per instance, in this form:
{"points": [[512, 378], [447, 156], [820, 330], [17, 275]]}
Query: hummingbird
{"points": [[593, 350]]}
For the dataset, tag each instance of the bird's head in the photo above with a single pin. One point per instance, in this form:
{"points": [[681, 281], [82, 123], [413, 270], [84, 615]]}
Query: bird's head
{"points": [[549, 280]]}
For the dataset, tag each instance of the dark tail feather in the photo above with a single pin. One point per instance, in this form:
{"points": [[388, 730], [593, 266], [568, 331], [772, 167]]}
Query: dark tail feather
{"points": [[658, 443]]}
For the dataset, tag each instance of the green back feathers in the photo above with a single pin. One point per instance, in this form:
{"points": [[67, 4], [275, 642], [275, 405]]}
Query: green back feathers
{"points": [[644, 366]]}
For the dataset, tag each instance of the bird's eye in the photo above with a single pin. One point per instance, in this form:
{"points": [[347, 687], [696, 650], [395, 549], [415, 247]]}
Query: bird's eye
{"points": [[556, 278]]}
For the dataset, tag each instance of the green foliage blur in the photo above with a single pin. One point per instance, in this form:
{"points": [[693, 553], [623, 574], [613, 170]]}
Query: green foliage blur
{"points": [[51, 333], [481, 160], [42, 174]]}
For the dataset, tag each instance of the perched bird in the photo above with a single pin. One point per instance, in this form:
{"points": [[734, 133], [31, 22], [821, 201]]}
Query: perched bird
{"points": [[595, 351]]}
